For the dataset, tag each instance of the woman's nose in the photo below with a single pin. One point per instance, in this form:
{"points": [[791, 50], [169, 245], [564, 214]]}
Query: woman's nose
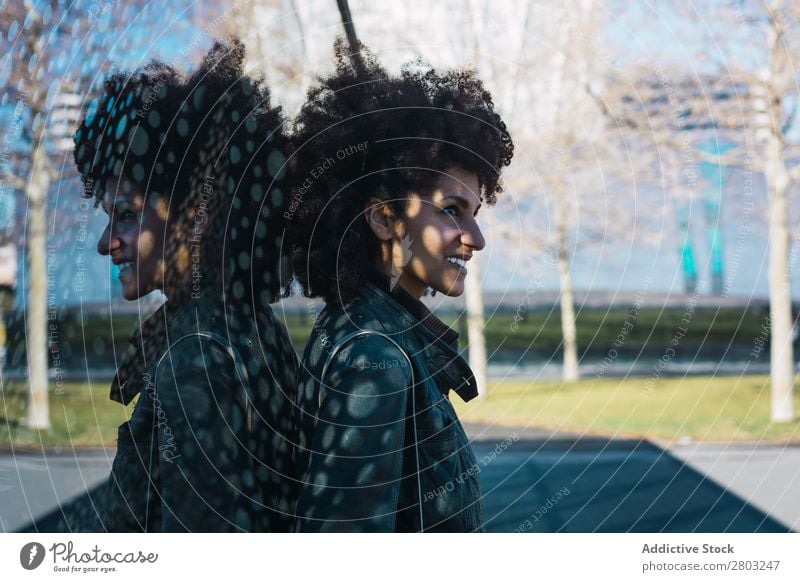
{"points": [[473, 237], [107, 242]]}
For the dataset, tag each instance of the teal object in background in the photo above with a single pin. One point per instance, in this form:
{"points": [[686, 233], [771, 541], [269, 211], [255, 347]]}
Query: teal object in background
{"points": [[715, 175], [688, 265]]}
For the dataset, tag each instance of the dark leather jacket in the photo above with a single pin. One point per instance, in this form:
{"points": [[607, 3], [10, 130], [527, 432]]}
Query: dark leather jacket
{"points": [[356, 452], [209, 444]]}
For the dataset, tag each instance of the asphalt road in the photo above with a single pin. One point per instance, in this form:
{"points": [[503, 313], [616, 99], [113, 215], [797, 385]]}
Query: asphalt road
{"points": [[598, 485], [33, 484], [531, 482]]}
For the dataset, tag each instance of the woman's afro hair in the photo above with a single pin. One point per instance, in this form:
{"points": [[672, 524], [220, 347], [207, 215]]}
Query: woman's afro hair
{"points": [[214, 148], [363, 133]]}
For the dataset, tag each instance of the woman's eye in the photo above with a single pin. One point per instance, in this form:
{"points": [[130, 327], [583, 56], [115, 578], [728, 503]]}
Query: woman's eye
{"points": [[127, 215], [450, 210]]}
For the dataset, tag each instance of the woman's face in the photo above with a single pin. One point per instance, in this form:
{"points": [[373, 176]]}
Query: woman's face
{"points": [[134, 238], [432, 243]]}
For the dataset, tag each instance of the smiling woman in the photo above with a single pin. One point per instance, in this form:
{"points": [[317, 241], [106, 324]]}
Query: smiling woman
{"points": [[188, 169], [134, 239], [441, 232], [389, 173]]}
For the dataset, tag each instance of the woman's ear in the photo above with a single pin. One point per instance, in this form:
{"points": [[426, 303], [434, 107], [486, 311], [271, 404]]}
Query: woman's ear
{"points": [[380, 218]]}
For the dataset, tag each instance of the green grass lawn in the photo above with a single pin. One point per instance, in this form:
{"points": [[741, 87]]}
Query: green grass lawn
{"points": [[80, 416], [92, 339], [703, 408], [706, 408]]}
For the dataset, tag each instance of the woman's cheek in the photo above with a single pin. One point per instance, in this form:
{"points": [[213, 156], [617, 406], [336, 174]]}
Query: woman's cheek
{"points": [[146, 244]]}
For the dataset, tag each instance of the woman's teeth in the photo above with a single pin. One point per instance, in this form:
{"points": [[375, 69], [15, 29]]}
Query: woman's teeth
{"points": [[457, 261], [125, 266]]}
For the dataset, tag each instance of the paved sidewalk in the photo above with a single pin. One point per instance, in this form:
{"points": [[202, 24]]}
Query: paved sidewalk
{"points": [[33, 484], [767, 476], [634, 485], [532, 480]]}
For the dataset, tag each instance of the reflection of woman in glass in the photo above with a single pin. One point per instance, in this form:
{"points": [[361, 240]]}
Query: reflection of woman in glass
{"points": [[389, 174], [187, 170]]}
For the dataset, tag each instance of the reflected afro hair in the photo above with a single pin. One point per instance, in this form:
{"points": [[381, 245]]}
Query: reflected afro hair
{"points": [[364, 133], [210, 144]]}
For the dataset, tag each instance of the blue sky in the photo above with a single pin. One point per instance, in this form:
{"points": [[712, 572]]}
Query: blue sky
{"points": [[668, 39]]}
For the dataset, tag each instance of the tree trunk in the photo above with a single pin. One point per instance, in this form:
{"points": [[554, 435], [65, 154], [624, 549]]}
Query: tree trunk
{"points": [[777, 177], [780, 301], [475, 326], [38, 416], [556, 109], [570, 343]]}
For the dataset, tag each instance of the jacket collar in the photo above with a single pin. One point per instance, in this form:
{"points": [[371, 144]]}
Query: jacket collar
{"points": [[146, 344], [414, 306], [448, 368], [149, 341]]}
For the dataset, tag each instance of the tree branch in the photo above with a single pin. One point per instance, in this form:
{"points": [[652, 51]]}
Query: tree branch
{"points": [[14, 182], [794, 174]]}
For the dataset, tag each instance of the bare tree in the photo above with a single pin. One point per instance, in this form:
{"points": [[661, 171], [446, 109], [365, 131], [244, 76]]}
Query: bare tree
{"points": [[569, 162], [779, 80], [27, 30], [749, 97], [52, 49]]}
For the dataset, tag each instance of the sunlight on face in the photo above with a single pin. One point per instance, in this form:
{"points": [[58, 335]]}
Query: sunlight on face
{"points": [[438, 235], [134, 237]]}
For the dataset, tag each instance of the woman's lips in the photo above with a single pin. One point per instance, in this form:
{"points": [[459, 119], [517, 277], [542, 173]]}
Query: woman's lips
{"points": [[457, 263], [125, 267]]}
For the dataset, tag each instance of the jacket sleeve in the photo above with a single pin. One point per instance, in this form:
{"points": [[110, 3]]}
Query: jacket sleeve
{"points": [[202, 439], [352, 482]]}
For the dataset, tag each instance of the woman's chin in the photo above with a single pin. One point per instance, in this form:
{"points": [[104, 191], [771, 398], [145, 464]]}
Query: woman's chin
{"points": [[130, 296], [133, 293], [456, 289]]}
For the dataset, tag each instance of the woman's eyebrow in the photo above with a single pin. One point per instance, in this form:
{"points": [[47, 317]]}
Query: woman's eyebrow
{"points": [[463, 202]]}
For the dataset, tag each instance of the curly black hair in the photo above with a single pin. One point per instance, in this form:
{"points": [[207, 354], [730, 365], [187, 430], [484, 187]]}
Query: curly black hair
{"points": [[364, 133], [214, 147]]}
